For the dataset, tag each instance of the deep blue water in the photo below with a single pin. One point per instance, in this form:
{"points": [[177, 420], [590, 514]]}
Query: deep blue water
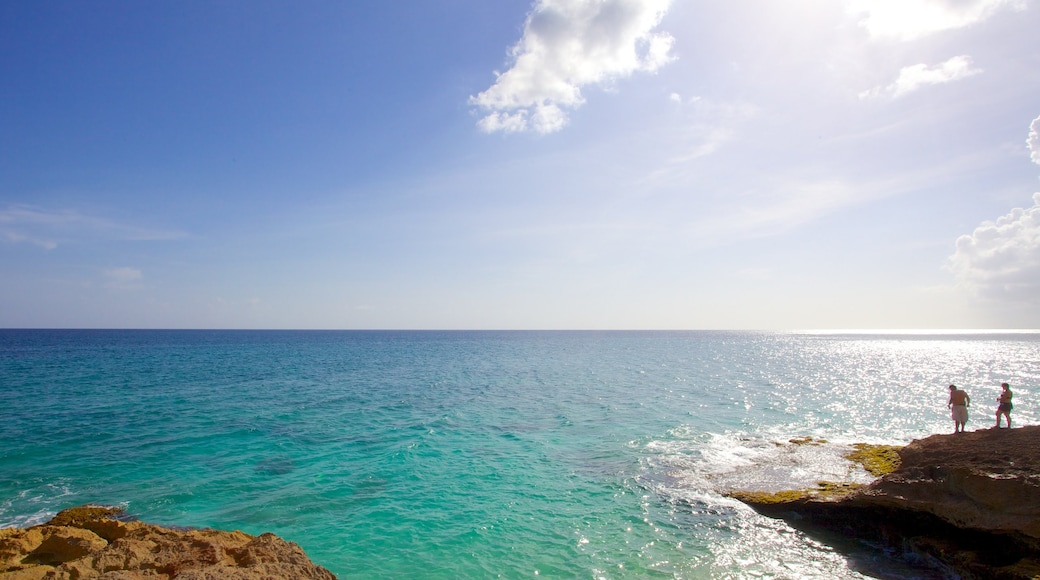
{"points": [[483, 454]]}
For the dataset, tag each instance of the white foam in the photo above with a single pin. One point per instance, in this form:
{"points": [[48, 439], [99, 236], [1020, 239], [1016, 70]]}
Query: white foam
{"points": [[698, 470], [34, 506], [708, 466]]}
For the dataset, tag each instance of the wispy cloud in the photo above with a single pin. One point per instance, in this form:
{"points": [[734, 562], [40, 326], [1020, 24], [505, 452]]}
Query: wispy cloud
{"points": [[912, 78], [15, 237], [706, 128], [911, 19], [123, 278], [566, 45], [48, 228], [783, 208], [785, 204], [713, 125]]}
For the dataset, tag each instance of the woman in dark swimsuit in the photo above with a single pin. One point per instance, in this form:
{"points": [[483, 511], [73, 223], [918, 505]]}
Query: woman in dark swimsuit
{"points": [[1005, 404]]}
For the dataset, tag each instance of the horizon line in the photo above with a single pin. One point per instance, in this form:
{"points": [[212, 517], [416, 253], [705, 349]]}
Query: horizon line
{"points": [[893, 331]]}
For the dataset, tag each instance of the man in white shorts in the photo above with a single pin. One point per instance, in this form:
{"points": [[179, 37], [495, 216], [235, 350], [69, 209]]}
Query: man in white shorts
{"points": [[958, 405]]}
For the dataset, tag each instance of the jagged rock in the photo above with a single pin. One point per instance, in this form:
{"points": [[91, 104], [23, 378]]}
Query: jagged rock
{"points": [[89, 542], [970, 502]]}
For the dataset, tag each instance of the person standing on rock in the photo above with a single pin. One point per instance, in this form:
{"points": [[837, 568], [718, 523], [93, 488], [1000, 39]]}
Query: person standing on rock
{"points": [[958, 405], [1005, 404]]}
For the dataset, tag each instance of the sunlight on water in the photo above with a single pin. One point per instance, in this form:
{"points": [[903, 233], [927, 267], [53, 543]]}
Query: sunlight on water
{"points": [[476, 454]]}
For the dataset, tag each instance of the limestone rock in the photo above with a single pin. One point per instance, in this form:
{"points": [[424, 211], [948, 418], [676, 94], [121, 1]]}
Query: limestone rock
{"points": [[88, 542]]}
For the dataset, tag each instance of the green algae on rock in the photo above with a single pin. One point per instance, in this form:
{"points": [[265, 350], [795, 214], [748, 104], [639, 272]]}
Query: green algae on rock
{"points": [[807, 440], [878, 460], [824, 490]]}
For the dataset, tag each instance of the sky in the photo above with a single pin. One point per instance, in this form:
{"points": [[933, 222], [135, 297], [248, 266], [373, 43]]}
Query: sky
{"points": [[520, 164]]}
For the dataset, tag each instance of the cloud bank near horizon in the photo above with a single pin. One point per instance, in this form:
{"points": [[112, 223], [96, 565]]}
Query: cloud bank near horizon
{"points": [[1001, 259], [567, 45]]}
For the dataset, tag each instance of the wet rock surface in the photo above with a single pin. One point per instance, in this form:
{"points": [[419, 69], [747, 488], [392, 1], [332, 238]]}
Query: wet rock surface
{"points": [[98, 542]]}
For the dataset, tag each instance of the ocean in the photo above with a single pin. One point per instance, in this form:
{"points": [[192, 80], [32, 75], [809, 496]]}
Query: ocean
{"points": [[482, 454]]}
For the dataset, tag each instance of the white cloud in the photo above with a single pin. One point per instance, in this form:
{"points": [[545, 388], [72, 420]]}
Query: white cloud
{"points": [[912, 78], [1002, 259], [566, 45], [1033, 141], [911, 19]]}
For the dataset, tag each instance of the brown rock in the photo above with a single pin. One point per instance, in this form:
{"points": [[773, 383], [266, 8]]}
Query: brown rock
{"points": [[64, 544], [984, 480], [34, 573], [16, 544], [86, 543], [970, 501]]}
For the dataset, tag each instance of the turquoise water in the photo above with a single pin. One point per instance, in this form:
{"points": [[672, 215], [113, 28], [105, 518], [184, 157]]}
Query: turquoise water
{"points": [[484, 454]]}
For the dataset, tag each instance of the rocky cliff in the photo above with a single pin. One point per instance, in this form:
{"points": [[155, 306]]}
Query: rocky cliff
{"points": [[96, 542], [966, 503]]}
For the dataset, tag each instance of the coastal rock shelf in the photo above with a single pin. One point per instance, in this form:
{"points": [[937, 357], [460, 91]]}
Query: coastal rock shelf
{"points": [[92, 542], [968, 503]]}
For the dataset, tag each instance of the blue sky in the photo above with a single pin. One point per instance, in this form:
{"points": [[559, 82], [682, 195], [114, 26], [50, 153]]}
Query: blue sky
{"points": [[520, 164]]}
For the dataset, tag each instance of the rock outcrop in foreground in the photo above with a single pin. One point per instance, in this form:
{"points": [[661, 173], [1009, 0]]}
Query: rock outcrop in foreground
{"points": [[90, 542], [968, 503]]}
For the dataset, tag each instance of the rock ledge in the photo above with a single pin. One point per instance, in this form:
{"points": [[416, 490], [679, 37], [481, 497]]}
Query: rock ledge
{"points": [[90, 542], [968, 503]]}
